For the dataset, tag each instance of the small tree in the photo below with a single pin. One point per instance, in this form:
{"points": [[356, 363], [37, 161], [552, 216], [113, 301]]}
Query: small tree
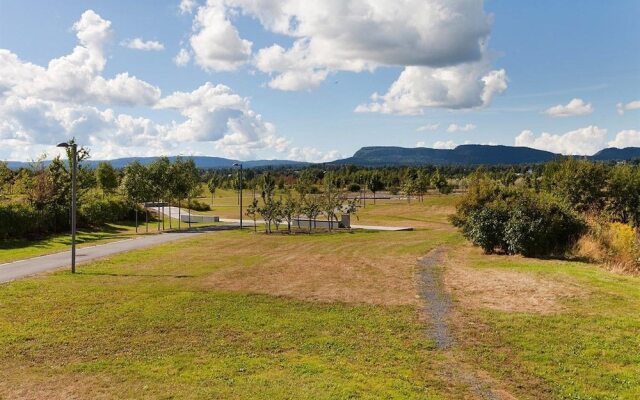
{"points": [[252, 212], [409, 188], [106, 177], [375, 184], [136, 185], [212, 185], [289, 209], [441, 183]]}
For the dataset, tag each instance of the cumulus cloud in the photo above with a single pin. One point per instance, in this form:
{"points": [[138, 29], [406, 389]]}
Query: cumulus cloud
{"points": [[573, 108], [461, 128], [144, 45], [311, 154], [441, 44], [626, 138], [633, 105], [449, 144], [583, 141], [216, 43], [40, 106], [182, 58], [468, 85], [187, 6], [76, 77], [428, 127]]}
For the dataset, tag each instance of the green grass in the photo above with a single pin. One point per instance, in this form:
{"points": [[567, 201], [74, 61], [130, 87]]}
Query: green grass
{"points": [[591, 350], [150, 324], [144, 325], [12, 250]]}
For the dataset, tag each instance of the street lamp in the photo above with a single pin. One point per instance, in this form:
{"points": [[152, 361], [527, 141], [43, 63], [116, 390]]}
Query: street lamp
{"points": [[74, 173], [240, 165]]}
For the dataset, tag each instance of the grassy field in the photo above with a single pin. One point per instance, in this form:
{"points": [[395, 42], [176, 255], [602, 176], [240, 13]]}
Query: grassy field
{"points": [[243, 315]]}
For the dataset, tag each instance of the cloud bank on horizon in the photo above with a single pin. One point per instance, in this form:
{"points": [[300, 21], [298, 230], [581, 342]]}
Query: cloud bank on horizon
{"points": [[439, 48]]}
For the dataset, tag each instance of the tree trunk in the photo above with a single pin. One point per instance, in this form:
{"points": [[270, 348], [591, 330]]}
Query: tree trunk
{"points": [[189, 208], [136, 212], [146, 220], [179, 214], [170, 224]]}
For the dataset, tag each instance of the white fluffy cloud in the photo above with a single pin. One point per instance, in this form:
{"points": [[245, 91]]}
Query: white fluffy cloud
{"points": [[633, 105], [216, 43], [215, 113], [449, 144], [187, 6], [573, 108], [626, 138], [76, 77], [442, 44], [584, 141], [311, 154], [140, 44], [182, 58], [41, 106], [461, 128], [428, 127], [469, 85]]}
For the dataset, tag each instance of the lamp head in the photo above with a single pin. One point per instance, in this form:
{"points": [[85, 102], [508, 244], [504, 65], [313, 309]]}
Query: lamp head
{"points": [[63, 144]]}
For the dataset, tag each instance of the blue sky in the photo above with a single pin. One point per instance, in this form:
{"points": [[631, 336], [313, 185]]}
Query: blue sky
{"points": [[558, 75]]}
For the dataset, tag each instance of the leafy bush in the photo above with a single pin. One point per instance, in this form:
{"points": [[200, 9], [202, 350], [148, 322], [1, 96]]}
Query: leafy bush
{"points": [[516, 221], [97, 211], [24, 221], [199, 206], [614, 243]]}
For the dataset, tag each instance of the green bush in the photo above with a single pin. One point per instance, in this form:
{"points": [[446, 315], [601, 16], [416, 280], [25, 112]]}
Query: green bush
{"points": [[539, 225], [516, 221], [97, 211], [23, 221], [196, 205], [485, 227]]}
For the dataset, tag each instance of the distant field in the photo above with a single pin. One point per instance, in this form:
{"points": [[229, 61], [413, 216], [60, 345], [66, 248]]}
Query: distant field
{"points": [[243, 315]]}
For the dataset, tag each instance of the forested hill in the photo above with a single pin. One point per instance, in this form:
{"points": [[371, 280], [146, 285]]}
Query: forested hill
{"points": [[470, 154], [201, 162]]}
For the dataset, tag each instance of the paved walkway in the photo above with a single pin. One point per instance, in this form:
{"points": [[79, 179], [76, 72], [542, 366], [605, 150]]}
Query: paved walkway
{"points": [[249, 222], [19, 269]]}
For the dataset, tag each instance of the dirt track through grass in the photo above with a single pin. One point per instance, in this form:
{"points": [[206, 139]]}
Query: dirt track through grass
{"points": [[437, 310]]}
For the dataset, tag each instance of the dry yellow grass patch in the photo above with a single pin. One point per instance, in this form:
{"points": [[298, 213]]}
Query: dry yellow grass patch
{"points": [[506, 290], [346, 268]]}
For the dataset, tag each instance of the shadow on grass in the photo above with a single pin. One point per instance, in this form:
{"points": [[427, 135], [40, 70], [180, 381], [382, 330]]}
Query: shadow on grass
{"points": [[136, 275]]}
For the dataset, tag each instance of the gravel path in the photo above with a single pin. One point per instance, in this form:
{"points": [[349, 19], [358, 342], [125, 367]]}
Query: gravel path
{"points": [[437, 301], [437, 309]]}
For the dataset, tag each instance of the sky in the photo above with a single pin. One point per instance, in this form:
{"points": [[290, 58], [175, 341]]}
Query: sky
{"points": [[316, 80]]}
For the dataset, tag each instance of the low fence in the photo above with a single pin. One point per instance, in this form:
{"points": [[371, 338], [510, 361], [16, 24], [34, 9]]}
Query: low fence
{"points": [[198, 218], [345, 223]]}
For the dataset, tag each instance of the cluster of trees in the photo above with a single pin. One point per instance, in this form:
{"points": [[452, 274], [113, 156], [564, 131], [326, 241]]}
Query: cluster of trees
{"points": [[310, 203], [161, 182], [37, 199], [410, 181], [546, 209]]}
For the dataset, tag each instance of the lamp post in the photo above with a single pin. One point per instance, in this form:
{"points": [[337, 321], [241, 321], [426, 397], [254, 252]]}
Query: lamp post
{"points": [[240, 182], [74, 173]]}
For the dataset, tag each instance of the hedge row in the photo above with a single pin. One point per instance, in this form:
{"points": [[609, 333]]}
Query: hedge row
{"points": [[23, 221]]}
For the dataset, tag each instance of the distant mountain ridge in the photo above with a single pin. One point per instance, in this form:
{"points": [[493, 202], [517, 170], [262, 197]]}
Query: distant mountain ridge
{"points": [[468, 154], [203, 162]]}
